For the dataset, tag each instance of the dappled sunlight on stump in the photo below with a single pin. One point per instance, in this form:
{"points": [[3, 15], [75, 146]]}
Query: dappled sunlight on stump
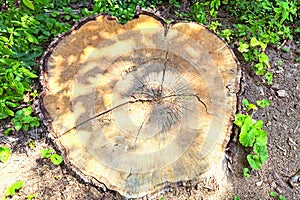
{"points": [[141, 105]]}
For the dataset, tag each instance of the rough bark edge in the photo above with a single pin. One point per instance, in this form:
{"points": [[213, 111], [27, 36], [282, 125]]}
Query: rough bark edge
{"points": [[161, 189]]}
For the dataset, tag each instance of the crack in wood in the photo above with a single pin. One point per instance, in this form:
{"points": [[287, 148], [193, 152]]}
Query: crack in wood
{"points": [[144, 100], [160, 90], [190, 95], [140, 128], [102, 113]]}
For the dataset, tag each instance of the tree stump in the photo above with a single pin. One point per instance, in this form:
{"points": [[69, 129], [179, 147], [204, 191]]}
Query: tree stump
{"points": [[140, 105]]}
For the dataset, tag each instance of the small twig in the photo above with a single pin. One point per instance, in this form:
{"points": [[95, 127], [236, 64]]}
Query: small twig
{"points": [[281, 45]]}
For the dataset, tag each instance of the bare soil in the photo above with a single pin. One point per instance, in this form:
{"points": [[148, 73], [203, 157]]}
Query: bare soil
{"points": [[282, 122]]}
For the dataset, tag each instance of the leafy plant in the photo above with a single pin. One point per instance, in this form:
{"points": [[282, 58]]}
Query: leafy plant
{"points": [[256, 28], [197, 13], [23, 119], [246, 172], [263, 103], [55, 158], [28, 4], [252, 135], [244, 47], [31, 144], [214, 25], [274, 195], [281, 197], [31, 196], [4, 154], [11, 190], [124, 10], [285, 11], [269, 77], [7, 131], [23, 31], [226, 33], [236, 198], [248, 106]]}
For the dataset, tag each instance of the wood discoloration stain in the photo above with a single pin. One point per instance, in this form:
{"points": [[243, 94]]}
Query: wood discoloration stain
{"points": [[141, 105]]}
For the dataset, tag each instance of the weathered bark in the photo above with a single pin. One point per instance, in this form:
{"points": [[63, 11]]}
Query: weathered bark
{"points": [[142, 104]]}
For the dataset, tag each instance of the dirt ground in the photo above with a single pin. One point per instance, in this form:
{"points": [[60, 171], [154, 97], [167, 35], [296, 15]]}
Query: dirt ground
{"points": [[282, 122]]}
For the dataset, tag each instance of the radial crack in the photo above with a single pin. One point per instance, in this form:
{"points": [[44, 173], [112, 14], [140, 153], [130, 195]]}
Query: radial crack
{"points": [[164, 73], [140, 128], [104, 112], [189, 95]]}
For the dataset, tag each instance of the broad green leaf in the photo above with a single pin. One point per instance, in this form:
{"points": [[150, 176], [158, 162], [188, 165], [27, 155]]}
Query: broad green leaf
{"points": [[239, 120], [263, 46], [254, 42], [7, 131], [259, 124], [246, 172], [247, 136], [3, 115], [28, 4], [263, 58], [19, 114], [261, 137], [18, 125], [31, 196], [262, 150], [19, 87], [264, 157], [4, 154], [25, 127], [12, 104], [46, 153], [255, 164], [30, 37], [269, 77], [11, 190], [7, 61], [35, 122], [263, 103], [28, 73], [56, 159], [27, 111], [236, 198], [8, 111], [26, 119], [243, 47], [17, 185], [10, 30], [248, 106], [4, 39], [259, 69], [273, 194], [282, 197], [245, 102]]}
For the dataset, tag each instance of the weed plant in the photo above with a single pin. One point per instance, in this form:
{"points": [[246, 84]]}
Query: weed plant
{"points": [[25, 28]]}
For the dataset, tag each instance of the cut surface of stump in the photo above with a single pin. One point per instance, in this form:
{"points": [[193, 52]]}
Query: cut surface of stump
{"points": [[140, 105]]}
